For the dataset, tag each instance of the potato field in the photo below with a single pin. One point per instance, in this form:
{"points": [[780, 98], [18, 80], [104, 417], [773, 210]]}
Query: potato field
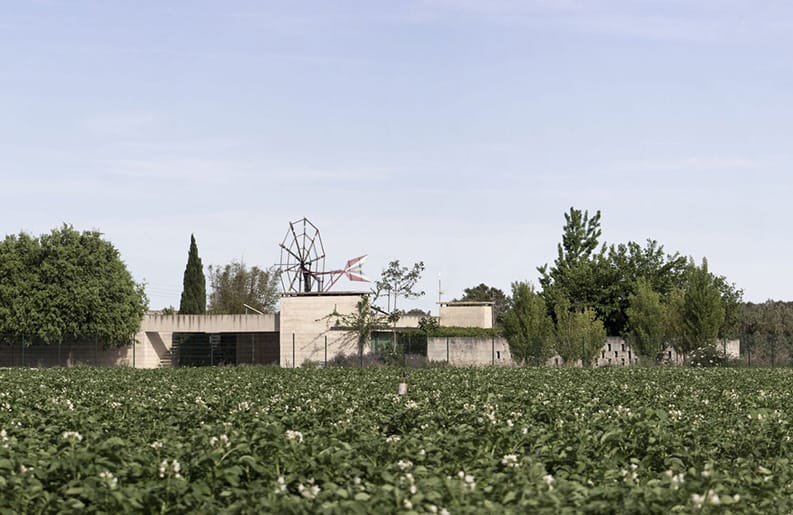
{"points": [[269, 440]]}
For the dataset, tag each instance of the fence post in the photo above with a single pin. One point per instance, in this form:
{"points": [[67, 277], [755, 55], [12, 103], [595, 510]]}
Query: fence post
{"points": [[447, 350], [326, 350], [293, 350], [96, 351], [134, 345], [59, 352], [253, 348], [493, 350], [22, 341]]}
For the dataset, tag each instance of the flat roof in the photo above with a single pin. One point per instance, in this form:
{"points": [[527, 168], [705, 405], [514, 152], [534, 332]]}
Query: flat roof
{"points": [[324, 293], [466, 303]]}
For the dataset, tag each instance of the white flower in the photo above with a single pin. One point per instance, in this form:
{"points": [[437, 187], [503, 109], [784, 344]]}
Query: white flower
{"points": [[170, 469], [404, 464], [281, 485], [713, 498], [697, 500], [467, 479], [510, 460], [4, 438], [311, 492], [407, 504], [223, 441], [109, 478], [294, 436], [72, 436], [444, 511], [411, 404], [156, 445], [549, 480], [393, 439]]}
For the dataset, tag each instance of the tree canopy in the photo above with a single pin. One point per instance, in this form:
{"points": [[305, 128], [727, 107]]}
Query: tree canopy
{"points": [[641, 292], [194, 286], [485, 293], [67, 285], [235, 285]]}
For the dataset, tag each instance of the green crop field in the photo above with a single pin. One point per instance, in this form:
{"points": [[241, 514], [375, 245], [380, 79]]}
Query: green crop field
{"points": [[264, 440]]}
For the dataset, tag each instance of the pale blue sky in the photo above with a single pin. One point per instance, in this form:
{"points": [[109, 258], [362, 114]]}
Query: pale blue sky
{"points": [[456, 132]]}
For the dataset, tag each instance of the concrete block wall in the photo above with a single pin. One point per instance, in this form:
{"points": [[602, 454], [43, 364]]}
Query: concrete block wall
{"points": [[466, 314], [306, 323], [469, 351]]}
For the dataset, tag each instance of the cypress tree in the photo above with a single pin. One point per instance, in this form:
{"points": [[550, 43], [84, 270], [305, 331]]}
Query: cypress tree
{"points": [[194, 289]]}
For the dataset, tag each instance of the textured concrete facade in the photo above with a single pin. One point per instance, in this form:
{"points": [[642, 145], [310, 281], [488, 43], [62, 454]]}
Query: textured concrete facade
{"points": [[469, 351], [466, 314], [306, 325]]}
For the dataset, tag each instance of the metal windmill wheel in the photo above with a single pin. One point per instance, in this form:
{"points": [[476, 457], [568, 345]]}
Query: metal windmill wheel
{"points": [[302, 258]]}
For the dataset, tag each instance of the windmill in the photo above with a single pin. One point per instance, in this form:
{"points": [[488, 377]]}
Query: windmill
{"points": [[303, 261]]}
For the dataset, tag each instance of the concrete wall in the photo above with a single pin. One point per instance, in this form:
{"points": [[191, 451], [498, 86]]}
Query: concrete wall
{"points": [[465, 314], [305, 323], [469, 351]]}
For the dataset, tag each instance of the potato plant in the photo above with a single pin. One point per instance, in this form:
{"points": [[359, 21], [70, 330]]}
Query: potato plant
{"points": [[253, 439]]}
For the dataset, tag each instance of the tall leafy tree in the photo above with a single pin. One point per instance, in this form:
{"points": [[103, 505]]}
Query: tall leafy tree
{"points": [[398, 281], [698, 312], [67, 285], [395, 282], [235, 285], [194, 288], [647, 320], [579, 334], [485, 293], [527, 326], [625, 265], [574, 271]]}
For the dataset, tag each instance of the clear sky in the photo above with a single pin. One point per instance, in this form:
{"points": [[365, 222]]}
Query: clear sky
{"points": [[456, 132]]}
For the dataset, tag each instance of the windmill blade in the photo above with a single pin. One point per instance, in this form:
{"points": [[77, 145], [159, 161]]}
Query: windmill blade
{"points": [[357, 277], [355, 261]]}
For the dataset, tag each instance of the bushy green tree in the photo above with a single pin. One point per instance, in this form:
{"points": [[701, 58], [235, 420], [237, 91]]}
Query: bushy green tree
{"points": [[527, 326], [647, 320], [194, 287], [579, 334], [67, 285], [576, 271], [234, 286], [698, 312]]}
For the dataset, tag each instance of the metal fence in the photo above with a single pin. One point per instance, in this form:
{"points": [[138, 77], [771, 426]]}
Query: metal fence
{"points": [[22, 352]]}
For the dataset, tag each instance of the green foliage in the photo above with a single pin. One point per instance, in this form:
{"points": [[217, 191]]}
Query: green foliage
{"points": [[575, 273], [234, 286], [623, 266], [698, 312], [462, 332], [527, 326], [194, 293], [429, 325], [579, 334], [647, 320], [398, 281], [485, 293], [67, 285], [270, 440]]}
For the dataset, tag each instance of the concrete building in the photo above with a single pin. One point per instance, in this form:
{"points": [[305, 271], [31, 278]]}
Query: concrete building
{"points": [[305, 330]]}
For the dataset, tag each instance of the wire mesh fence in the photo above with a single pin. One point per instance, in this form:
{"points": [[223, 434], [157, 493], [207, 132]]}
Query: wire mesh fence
{"points": [[18, 351]]}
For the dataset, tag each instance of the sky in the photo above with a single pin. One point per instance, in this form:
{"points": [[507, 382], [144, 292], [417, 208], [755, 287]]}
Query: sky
{"points": [[453, 132]]}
